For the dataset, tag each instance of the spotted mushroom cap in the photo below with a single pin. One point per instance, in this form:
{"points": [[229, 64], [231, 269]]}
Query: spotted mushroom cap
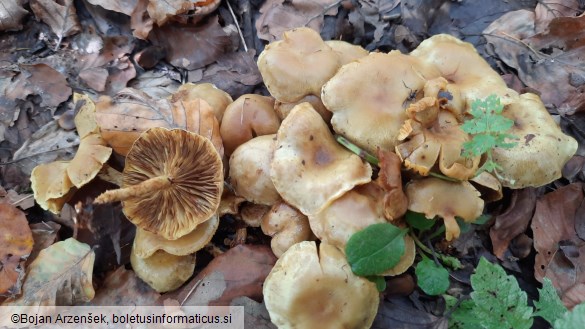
{"points": [[309, 168], [194, 168], [541, 150]]}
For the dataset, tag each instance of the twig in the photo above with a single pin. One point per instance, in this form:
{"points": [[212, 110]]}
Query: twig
{"points": [[237, 26]]}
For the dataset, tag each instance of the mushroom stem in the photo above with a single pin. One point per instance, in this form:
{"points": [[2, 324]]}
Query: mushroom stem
{"points": [[145, 187], [452, 227]]}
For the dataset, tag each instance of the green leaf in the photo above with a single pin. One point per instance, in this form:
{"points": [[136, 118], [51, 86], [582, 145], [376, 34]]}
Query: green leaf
{"points": [[462, 317], [379, 281], [418, 221], [482, 219], [499, 301], [549, 305], [572, 320], [433, 279], [375, 249]]}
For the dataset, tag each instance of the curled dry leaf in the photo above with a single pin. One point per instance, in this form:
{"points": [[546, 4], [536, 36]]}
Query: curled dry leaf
{"points": [[390, 178], [60, 276], [61, 16], [559, 250], [16, 243], [513, 221], [124, 117], [12, 13], [240, 271]]}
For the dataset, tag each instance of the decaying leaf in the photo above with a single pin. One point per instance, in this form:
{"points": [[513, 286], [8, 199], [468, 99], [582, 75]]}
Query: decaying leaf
{"points": [[394, 314], [279, 16], [122, 287], [123, 118], [61, 275], [192, 47], [44, 234], [23, 201], [560, 252], [120, 6], [11, 13], [161, 11], [256, 315], [41, 80], [546, 11], [61, 16], [16, 243], [140, 22], [513, 221], [238, 272]]}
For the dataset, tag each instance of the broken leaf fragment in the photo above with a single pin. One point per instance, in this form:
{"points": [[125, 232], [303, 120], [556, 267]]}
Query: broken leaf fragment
{"points": [[60, 276], [16, 244]]}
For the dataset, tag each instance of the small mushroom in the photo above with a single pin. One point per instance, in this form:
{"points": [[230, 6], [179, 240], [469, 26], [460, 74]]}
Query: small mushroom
{"points": [[309, 168], [247, 117], [437, 197], [146, 243], [541, 151], [162, 271], [368, 97], [298, 65], [215, 97], [250, 170], [287, 226], [51, 185], [173, 181], [488, 185], [316, 289]]}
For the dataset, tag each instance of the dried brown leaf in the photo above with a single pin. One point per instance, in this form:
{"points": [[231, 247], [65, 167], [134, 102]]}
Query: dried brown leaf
{"points": [[11, 197], [61, 16], [44, 234], [238, 272], [162, 11], [41, 80], [11, 13], [192, 47], [560, 252], [278, 16], [122, 288], [547, 10], [140, 22], [513, 221], [16, 243], [61, 275], [120, 6]]}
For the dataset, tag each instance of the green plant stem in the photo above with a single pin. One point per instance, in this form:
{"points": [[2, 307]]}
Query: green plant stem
{"points": [[443, 177], [437, 232], [358, 150], [443, 258]]}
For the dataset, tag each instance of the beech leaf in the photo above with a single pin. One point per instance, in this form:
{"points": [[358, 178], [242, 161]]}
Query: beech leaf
{"points": [[375, 249], [16, 243]]}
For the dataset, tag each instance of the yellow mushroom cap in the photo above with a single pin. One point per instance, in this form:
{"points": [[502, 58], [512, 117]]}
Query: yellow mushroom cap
{"points": [[51, 185], [146, 243], [250, 170], [298, 65], [287, 226], [313, 289], [541, 150], [162, 271], [436, 197], [309, 168], [215, 97], [368, 97]]}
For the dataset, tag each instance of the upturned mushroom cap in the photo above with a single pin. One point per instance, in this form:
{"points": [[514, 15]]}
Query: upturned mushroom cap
{"points": [[215, 97], [298, 65], [250, 170], [368, 97], [247, 117], [162, 271], [542, 149], [406, 260], [441, 144], [310, 289], [435, 197], [309, 168], [287, 226], [51, 185], [352, 212], [173, 181], [464, 68], [146, 243]]}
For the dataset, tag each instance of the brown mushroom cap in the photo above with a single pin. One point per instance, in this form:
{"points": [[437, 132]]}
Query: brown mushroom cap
{"points": [[173, 181], [368, 97], [283, 109], [287, 226], [250, 170], [464, 68], [298, 65], [309, 289], [162, 271], [309, 168], [215, 97], [542, 149], [247, 117], [146, 243], [437, 197], [252, 213]]}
